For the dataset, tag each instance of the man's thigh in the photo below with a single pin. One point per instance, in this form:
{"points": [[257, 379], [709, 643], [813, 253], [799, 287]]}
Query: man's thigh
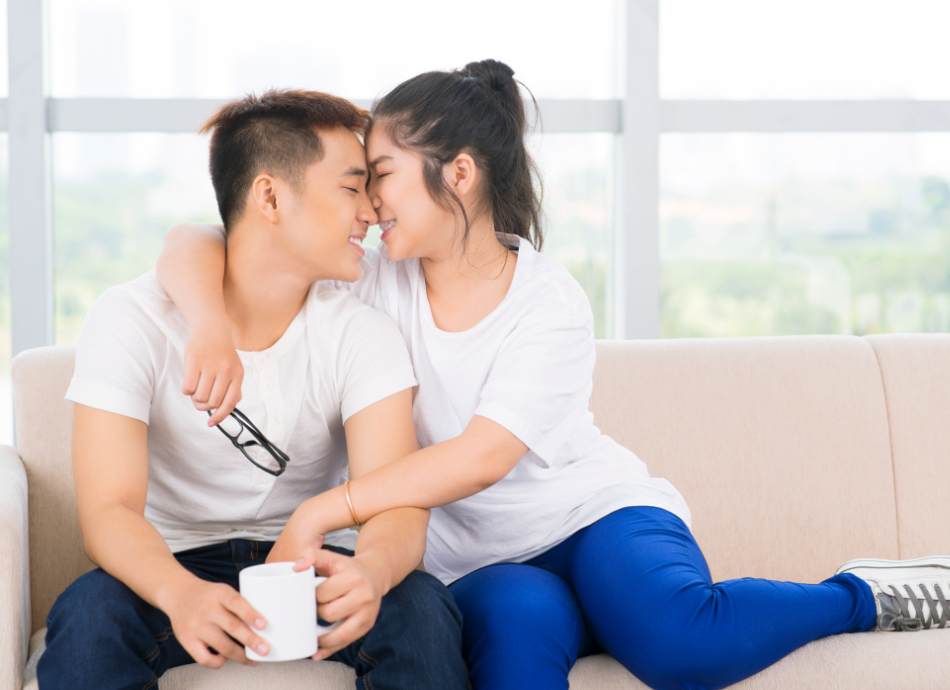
{"points": [[416, 641], [100, 634]]}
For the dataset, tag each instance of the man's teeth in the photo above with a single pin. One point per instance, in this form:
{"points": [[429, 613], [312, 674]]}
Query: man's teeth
{"points": [[387, 225]]}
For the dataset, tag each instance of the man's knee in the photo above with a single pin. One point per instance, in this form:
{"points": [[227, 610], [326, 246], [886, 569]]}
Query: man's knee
{"points": [[417, 636], [98, 628], [93, 600], [421, 602]]}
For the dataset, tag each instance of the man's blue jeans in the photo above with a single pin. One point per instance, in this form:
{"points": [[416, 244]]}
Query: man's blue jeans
{"points": [[102, 636]]}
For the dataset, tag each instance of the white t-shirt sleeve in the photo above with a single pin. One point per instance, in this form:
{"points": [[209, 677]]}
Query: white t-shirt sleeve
{"points": [[373, 362], [540, 383], [114, 369]]}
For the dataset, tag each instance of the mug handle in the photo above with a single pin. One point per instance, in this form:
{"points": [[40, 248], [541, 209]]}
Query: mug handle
{"points": [[323, 629]]}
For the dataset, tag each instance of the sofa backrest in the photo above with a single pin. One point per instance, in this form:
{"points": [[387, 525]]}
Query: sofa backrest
{"points": [[781, 447], [915, 375]]}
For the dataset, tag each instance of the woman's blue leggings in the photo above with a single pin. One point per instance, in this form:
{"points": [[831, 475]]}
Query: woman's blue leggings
{"points": [[636, 586]]}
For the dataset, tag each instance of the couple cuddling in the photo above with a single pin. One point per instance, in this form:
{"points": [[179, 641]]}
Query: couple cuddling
{"points": [[412, 422]]}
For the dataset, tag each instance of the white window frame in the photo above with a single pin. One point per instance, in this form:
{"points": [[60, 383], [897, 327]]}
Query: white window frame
{"points": [[640, 119]]}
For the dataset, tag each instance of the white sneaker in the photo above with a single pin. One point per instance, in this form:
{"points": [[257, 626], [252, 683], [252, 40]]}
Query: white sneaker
{"points": [[910, 595]]}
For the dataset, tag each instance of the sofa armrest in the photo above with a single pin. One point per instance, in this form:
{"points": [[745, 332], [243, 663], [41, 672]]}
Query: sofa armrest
{"points": [[15, 622]]}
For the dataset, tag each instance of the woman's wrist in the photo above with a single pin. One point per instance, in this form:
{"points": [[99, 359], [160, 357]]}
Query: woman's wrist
{"points": [[327, 511]]}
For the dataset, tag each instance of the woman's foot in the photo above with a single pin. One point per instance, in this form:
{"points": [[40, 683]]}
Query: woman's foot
{"points": [[911, 594]]}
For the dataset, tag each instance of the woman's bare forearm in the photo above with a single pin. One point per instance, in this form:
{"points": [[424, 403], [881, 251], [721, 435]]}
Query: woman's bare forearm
{"points": [[392, 544], [191, 271], [434, 476]]}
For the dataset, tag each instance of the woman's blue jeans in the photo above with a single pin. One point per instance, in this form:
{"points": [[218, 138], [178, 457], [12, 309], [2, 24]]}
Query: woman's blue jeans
{"points": [[636, 586]]}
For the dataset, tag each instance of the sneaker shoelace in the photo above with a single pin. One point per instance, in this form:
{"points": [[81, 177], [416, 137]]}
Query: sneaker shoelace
{"points": [[896, 614]]}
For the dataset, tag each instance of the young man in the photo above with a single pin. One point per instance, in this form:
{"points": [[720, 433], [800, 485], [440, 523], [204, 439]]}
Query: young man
{"points": [[171, 508]]}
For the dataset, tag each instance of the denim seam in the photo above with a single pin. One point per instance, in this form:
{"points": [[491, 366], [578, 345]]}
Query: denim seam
{"points": [[153, 655], [164, 635], [366, 657]]}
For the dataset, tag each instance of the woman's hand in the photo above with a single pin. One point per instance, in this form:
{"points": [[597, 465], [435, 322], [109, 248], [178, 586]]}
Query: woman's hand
{"points": [[296, 541], [350, 597], [213, 370]]}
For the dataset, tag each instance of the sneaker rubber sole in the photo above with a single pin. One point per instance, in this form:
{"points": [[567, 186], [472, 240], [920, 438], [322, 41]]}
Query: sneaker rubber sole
{"points": [[929, 561]]}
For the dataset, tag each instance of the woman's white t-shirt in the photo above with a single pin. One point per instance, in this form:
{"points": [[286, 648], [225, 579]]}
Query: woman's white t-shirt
{"points": [[527, 366]]}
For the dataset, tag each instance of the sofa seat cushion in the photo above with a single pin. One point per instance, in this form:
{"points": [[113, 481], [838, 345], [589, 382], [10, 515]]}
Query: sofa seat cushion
{"points": [[859, 661]]}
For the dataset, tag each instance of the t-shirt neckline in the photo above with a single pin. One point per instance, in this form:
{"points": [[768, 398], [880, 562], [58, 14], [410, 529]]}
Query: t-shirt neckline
{"points": [[285, 341], [510, 241]]}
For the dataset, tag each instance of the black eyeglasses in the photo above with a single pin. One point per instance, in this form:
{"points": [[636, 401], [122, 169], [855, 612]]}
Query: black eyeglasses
{"points": [[258, 449]]}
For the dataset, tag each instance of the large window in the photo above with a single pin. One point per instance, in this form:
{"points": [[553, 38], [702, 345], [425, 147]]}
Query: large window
{"points": [[771, 234], [6, 398], [222, 48], [811, 49], [115, 194], [722, 168]]}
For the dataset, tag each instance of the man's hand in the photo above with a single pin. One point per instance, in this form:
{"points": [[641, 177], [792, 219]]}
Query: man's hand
{"points": [[351, 595], [213, 370], [208, 614]]}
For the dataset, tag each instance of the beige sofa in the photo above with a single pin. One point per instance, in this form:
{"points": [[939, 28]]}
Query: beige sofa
{"points": [[794, 454]]}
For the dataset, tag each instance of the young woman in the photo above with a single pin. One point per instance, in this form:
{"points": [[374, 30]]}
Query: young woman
{"points": [[555, 540]]}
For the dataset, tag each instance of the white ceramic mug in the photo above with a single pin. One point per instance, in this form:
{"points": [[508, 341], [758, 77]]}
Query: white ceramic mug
{"points": [[287, 599]]}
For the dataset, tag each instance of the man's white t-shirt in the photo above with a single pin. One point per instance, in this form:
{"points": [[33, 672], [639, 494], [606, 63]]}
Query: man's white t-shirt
{"points": [[528, 366], [337, 357]]}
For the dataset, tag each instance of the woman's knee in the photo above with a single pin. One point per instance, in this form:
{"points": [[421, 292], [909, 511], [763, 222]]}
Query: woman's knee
{"points": [[514, 603], [521, 627]]}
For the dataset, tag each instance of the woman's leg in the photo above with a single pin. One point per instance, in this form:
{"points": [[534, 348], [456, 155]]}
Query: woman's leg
{"points": [[646, 592], [521, 628]]}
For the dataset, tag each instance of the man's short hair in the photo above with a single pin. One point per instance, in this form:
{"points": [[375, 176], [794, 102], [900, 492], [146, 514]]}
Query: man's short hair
{"points": [[277, 133]]}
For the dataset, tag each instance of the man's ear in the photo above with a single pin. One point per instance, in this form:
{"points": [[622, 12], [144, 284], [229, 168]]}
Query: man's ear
{"points": [[263, 197], [461, 175]]}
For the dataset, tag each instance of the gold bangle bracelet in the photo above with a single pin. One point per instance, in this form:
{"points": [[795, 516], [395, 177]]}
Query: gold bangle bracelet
{"points": [[349, 504]]}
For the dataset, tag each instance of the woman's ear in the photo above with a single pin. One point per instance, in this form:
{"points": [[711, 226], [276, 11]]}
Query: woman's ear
{"points": [[461, 175], [263, 197]]}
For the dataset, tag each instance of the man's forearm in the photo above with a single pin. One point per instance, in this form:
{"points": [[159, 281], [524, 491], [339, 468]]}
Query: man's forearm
{"points": [[392, 544], [125, 545]]}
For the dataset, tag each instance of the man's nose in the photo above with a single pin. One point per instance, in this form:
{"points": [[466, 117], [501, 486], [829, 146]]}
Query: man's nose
{"points": [[367, 214]]}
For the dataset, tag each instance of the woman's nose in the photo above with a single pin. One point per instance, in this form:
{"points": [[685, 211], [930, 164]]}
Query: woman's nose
{"points": [[373, 196]]}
